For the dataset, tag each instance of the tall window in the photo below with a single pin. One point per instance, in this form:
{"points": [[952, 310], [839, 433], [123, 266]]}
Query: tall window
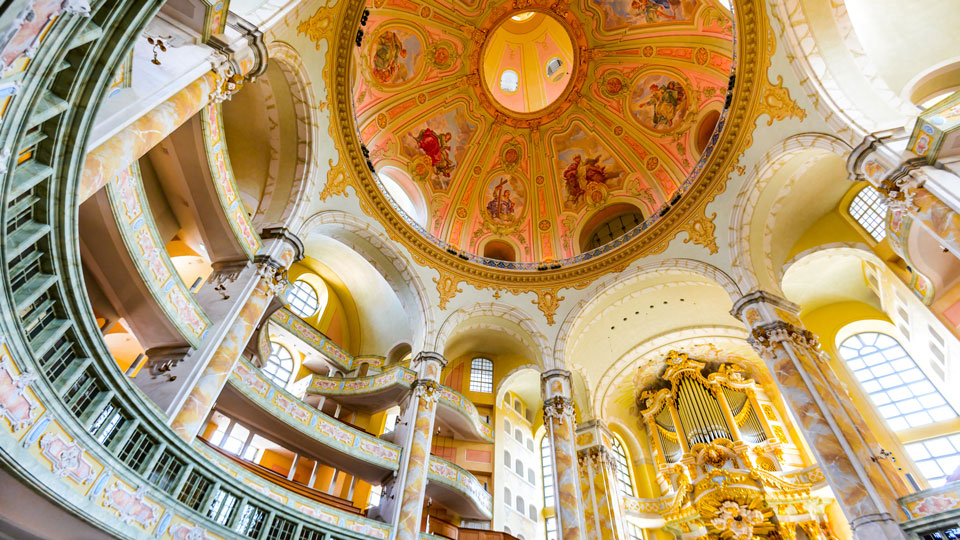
{"points": [[870, 211], [546, 470], [624, 482], [902, 393], [937, 458], [481, 375], [302, 299], [279, 364]]}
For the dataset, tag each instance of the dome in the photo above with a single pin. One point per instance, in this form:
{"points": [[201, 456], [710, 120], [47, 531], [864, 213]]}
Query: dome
{"points": [[542, 135]]}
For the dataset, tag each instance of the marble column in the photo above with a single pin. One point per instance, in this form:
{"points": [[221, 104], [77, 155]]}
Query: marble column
{"points": [[416, 466], [271, 282], [602, 506], [833, 429], [558, 416]]}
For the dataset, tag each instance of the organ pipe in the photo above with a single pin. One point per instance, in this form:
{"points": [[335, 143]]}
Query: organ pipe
{"points": [[728, 415], [681, 433]]}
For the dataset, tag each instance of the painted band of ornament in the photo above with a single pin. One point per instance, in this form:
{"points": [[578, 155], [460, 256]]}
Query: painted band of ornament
{"points": [[710, 173], [427, 390], [558, 408]]}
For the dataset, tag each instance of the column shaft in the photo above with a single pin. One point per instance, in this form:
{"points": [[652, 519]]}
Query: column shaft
{"points": [[558, 412], [426, 392]]}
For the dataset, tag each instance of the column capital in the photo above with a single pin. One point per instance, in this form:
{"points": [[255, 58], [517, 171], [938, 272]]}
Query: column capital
{"points": [[427, 389], [558, 407]]}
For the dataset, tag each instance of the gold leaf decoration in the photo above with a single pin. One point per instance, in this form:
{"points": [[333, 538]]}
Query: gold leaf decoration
{"points": [[548, 301], [448, 287], [318, 27], [776, 103], [337, 181], [700, 229]]}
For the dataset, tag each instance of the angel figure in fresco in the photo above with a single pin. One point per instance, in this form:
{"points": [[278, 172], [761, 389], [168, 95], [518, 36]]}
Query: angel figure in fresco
{"points": [[500, 206], [666, 102], [571, 177], [577, 181], [388, 51], [654, 10], [437, 147]]}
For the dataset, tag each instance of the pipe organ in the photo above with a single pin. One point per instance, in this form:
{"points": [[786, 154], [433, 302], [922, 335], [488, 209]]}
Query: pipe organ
{"points": [[694, 410], [720, 465]]}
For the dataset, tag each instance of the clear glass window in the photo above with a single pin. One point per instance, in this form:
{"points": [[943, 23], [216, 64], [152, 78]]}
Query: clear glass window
{"points": [[870, 210], [279, 365], [936, 458], [546, 471], [901, 392], [552, 528], [481, 375], [624, 482], [302, 299], [509, 81]]}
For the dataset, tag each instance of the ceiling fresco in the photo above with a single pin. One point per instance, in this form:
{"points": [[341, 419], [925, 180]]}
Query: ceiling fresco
{"points": [[528, 127]]}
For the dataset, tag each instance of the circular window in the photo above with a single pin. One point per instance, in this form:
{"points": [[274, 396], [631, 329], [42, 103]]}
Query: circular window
{"points": [[302, 299], [509, 81], [553, 66]]}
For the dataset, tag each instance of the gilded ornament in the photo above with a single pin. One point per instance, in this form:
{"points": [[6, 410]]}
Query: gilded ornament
{"points": [[381, 120], [448, 287], [700, 230], [337, 181], [319, 26], [776, 103], [548, 301]]}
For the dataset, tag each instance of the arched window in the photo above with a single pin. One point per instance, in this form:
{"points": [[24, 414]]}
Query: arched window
{"points": [[507, 426], [518, 406], [870, 210], [507, 496], [518, 468], [507, 460], [532, 512], [546, 471], [518, 435], [901, 392], [553, 66], [531, 476], [481, 375], [279, 364], [520, 506], [936, 458], [530, 445], [303, 299], [624, 482]]}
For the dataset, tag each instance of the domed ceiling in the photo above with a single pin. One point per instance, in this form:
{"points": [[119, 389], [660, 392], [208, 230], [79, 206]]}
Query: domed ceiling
{"points": [[538, 133]]}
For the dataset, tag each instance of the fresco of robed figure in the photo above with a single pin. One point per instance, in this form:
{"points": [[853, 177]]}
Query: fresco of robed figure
{"points": [[395, 56], [626, 13]]}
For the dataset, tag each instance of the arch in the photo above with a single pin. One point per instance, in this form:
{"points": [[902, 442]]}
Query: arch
{"points": [[615, 284], [777, 159], [852, 106], [481, 375], [399, 273], [500, 249], [617, 217], [459, 321], [398, 352], [273, 172], [703, 342], [404, 192], [933, 84]]}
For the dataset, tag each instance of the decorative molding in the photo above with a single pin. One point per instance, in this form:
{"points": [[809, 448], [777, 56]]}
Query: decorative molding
{"points": [[700, 230], [447, 287], [548, 301]]}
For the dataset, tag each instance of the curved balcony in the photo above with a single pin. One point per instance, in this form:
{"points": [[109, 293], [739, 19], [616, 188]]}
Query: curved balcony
{"points": [[459, 490], [372, 394], [74, 429], [455, 415], [296, 497], [252, 396], [288, 323]]}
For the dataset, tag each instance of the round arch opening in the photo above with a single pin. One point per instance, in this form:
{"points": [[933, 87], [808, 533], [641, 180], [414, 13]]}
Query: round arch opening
{"points": [[609, 224]]}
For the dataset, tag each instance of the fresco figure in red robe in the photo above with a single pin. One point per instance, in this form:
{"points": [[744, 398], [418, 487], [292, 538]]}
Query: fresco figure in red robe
{"points": [[437, 147]]}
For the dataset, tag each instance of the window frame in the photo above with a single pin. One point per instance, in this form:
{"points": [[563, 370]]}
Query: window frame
{"points": [[869, 210], [294, 299], [274, 373], [481, 375]]}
